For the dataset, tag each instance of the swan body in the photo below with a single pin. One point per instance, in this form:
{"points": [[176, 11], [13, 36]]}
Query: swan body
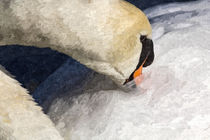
{"points": [[20, 117], [104, 35]]}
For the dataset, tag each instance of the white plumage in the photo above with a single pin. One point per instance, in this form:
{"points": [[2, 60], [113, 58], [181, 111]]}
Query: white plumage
{"points": [[101, 34]]}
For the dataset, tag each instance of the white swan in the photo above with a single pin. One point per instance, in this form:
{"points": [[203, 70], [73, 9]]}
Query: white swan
{"points": [[20, 117], [104, 35]]}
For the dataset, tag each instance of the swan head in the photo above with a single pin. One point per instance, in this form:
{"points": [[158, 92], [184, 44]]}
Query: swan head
{"points": [[117, 42], [131, 44]]}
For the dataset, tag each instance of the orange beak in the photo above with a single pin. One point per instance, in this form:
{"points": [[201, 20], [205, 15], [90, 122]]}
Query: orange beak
{"points": [[138, 73]]}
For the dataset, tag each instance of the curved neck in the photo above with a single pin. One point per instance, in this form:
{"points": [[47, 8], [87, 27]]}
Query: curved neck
{"points": [[11, 31]]}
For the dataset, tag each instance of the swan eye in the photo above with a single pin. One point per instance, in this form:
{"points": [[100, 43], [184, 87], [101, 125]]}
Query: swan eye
{"points": [[142, 38]]}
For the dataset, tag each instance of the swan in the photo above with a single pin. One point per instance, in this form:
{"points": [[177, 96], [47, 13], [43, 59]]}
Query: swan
{"points": [[104, 35], [20, 117], [111, 37]]}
